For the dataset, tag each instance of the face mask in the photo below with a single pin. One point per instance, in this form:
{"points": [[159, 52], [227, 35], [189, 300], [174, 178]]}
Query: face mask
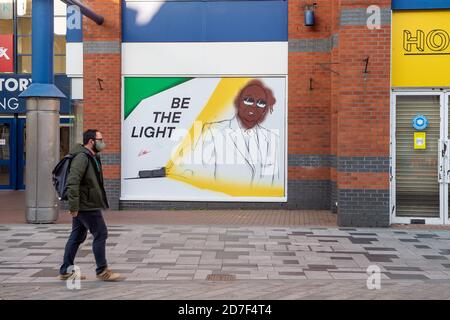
{"points": [[99, 146]]}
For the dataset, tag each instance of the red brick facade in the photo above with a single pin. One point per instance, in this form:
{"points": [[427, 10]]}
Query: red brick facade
{"points": [[102, 98], [332, 108]]}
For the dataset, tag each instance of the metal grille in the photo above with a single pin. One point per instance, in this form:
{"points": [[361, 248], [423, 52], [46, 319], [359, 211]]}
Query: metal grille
{"points": [[417, 187], [221, 277]]}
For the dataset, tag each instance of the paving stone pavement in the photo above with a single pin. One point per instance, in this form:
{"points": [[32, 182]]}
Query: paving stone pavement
{"points": [[232, 290], [175, 261]]}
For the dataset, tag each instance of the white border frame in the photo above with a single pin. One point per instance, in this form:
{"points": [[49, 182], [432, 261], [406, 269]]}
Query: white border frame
{"points": [[234, 199], [443, 203], [446, 103]]}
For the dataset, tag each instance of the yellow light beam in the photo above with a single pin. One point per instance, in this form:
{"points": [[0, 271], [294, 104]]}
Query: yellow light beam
{"points": [[217, 103], [222, 97]]}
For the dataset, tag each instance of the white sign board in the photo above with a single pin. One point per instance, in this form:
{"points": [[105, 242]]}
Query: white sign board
{"points": [[204, 139]]}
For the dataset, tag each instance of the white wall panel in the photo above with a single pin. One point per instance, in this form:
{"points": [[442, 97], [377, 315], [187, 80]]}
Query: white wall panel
{"points": [[77, 88], [207, 58], [74, 59]]}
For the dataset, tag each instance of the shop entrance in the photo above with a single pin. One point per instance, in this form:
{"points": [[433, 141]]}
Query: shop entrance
{"points": [[13, 151], [420, 157]]}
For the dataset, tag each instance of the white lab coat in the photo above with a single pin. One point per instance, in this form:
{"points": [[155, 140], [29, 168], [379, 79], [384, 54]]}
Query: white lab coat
{"points": [[227, 152]]}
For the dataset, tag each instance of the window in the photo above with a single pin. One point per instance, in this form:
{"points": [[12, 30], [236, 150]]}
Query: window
{"points": [[23, 36], [66, 135], [59, 49], [6, 17]]}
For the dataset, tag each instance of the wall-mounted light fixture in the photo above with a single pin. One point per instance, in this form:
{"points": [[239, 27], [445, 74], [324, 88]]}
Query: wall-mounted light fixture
{"points": [[309, 14]]}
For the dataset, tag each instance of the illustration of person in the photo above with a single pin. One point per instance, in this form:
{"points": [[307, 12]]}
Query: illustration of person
{"points": [[240, 149], [235, 152]]}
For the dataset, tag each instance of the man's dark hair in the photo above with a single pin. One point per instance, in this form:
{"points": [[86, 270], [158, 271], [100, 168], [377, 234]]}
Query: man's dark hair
{"points": [[269, 94], [88, 135]]}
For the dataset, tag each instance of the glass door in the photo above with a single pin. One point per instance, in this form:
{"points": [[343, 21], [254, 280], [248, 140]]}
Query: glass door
{"points": [[418, 184], [7, 154], [21, 152]]}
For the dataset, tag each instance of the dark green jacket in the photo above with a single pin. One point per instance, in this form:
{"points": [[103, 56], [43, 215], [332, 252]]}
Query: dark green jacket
{"points": [[85, 190]]}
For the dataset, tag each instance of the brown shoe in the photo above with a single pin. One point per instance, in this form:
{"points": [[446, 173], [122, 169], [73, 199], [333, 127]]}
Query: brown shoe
{"points": [[70, 276], [109, 275]]}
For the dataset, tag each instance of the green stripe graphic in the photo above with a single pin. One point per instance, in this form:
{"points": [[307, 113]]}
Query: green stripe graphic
{"points": [[137, 89]]}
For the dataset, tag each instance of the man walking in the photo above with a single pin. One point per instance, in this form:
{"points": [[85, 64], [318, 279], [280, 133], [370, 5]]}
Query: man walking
{"points": [[87, 197]]}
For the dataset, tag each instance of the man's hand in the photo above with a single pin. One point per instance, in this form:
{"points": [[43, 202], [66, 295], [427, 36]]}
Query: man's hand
{"points": [[73, 213]]}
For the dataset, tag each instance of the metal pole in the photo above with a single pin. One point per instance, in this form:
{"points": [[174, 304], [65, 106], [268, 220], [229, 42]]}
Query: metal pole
{"points": [[43, 100], [42, 154], [86, 11], [42, 41]]}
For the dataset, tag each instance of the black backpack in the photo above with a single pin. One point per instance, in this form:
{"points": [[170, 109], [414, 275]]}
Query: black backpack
{"points": [[60, 174]]}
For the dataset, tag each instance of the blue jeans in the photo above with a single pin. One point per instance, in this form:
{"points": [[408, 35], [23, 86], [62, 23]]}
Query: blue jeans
{"points": [[84, 221]]}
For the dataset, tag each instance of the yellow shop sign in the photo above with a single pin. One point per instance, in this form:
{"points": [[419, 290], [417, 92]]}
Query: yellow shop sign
{"points": [[421, 48]]}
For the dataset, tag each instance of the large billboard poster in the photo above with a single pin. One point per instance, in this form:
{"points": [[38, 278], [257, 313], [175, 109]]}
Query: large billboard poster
{"points": [[204, 139]]}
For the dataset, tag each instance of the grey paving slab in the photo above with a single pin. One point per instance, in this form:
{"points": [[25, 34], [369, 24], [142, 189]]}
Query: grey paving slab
{"points": [[182, 253], [239, 289]]}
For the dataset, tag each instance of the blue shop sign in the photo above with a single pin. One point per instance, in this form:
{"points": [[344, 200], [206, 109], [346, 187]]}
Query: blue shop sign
{"points": [[420, 4], [12, 85]]}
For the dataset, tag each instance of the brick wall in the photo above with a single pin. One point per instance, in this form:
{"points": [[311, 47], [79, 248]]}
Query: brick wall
{"points": [[309, 108], [362, 121], [338, 105], [336, 153], [102, 87]]}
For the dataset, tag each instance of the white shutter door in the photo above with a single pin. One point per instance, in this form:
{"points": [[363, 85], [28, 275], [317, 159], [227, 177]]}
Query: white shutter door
{"points": [[417, 187]]}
